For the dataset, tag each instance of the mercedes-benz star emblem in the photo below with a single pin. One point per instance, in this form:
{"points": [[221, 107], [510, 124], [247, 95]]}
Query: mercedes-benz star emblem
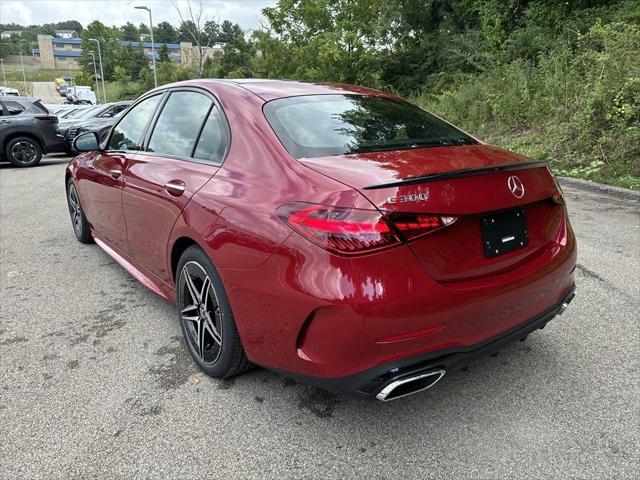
{"points": [[515, 186]]}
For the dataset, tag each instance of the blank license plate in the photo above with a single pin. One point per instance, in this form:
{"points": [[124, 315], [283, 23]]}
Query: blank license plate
{"points": [[504, 232]]}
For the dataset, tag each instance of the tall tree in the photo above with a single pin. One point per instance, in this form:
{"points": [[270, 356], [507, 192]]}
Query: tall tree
{"points": [[130, 32], [165, 33], [193, 26], [163, 53], [70, 25], [109, 38]]}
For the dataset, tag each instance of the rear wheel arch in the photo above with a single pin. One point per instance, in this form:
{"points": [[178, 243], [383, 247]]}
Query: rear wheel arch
{"points": [[177, 249]]}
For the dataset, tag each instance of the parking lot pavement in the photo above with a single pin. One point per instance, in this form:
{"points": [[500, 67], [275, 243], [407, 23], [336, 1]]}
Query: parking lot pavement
{"points": [[95, 380]]}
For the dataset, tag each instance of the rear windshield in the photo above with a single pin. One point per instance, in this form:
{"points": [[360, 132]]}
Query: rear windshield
{"points": [[326, 125]]}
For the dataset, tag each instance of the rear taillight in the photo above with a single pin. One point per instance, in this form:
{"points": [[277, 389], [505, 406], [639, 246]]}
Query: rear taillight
{"points": [[342, 230], [558, 196], [415, 225], [350, 231], [46, 118]]}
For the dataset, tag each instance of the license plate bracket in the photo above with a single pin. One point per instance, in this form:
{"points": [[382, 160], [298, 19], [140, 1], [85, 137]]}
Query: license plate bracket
{"points": [[504, 232]]}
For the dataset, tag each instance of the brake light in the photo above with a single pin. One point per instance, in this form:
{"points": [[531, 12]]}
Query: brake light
{"points": [[48, 118], [347, 231], [350, 231]]}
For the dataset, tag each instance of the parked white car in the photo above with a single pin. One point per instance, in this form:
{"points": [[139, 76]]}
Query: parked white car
{"points": [[81, 94], [6, 91]]}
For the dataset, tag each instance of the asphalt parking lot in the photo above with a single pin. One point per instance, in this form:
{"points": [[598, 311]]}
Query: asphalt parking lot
{"points": [[95, 380]]}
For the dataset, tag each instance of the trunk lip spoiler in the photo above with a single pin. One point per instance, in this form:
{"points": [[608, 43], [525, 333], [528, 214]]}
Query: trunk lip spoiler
{"points": [[456, 174]]}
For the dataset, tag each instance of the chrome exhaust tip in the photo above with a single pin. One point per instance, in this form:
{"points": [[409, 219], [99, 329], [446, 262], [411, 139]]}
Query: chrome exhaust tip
{"points": [[410, 385], [562, 308]]}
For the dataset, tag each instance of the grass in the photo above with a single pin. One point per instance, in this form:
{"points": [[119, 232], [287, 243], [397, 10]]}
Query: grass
{"points": [[33, 74]]}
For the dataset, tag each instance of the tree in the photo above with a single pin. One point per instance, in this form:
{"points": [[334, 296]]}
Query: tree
{"points": [[163, 53], [236, 62], [132, 59], [165, 33], [143, 28], [83, 78], [109, 38], [327, 40], [193, 26], [229, 31], [70, 25], [130, 32]]}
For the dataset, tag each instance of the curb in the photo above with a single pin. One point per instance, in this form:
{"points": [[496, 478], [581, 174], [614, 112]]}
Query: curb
{"points": [[623, 193]]}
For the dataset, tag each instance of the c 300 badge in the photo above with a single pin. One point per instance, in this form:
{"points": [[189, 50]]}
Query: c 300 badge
{"points": [[412, 197]]}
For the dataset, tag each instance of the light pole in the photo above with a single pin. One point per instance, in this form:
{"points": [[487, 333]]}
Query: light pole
{"points": [[4, 76], [24, 78], [153, 49], [104, 92], [95, 75]]}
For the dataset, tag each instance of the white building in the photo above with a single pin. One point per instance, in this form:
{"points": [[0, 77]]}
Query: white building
{"points": [[66, 34], [8, 33]]}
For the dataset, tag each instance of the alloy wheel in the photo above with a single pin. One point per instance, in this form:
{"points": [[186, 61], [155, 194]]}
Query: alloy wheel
{"points": [[200, 312], [74, 209], [24, 152]]}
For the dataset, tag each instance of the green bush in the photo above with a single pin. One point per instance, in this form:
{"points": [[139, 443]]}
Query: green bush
{"points": [[576, 106]]}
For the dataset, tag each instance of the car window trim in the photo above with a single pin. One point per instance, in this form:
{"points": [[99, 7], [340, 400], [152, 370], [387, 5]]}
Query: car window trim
{"points": [[163, 93], [216, 103]]}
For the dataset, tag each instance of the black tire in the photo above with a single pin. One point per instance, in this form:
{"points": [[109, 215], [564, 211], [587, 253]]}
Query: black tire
{"points": [[222, 359], [78, 218], [23, 152]]}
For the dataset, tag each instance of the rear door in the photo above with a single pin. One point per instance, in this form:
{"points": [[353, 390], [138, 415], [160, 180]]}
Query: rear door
{"points": [[105, 172], [183, 151], [7, 124]]}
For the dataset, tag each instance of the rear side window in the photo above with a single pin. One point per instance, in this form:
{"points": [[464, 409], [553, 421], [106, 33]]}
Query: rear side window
{"points": [[113, 111], [39, 107], [127, 134], [179, 124], [13, 108], [213, 139], [327, 125]]}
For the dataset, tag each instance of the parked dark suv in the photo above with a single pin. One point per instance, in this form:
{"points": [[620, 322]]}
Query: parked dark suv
{"points": [[27, 130]]}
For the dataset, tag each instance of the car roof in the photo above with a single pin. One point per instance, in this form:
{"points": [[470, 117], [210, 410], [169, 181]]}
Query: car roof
{"points": [[270, 89], [15, 97]]}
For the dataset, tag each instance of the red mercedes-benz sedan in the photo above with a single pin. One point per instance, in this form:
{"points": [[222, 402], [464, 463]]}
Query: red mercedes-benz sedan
{"points": [[337, 234]]}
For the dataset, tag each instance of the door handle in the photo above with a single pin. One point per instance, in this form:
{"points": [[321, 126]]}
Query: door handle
{"points": [[175, 187], [115, 172]]}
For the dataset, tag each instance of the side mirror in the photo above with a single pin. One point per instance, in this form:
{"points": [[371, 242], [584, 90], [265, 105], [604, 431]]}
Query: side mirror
{"points": [[107, 115], [86, 142]]}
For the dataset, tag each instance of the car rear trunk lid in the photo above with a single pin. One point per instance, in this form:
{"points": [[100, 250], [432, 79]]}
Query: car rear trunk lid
{"points": [[474, 184]]}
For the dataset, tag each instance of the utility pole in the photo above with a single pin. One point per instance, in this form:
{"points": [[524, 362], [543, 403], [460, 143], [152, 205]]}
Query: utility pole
{"points": [[153, 49], [95, 75], [104, 92]]}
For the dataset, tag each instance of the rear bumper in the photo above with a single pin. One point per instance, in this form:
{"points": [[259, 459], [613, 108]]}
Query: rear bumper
{"points": [[369, 383]]}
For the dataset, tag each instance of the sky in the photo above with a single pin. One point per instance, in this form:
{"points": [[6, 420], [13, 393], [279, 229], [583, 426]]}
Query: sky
{"points": [[117, 12]]}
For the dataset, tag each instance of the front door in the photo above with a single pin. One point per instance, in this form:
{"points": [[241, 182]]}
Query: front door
{"points": [[183, 152], [104, 190]]}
